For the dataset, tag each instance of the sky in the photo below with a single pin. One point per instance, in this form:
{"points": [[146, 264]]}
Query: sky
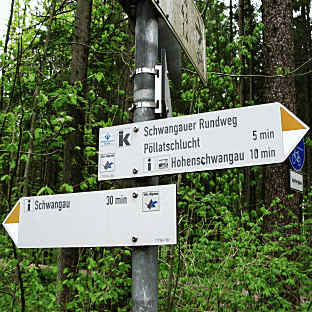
{"points": [[5, 13], [4, 16]]}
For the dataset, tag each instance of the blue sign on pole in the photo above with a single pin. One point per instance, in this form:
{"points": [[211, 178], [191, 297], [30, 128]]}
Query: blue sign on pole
{"points": [[297, 156]]}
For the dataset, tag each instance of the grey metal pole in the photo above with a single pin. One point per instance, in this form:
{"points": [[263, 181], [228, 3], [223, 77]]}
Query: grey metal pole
{"points": [[145, 259]]}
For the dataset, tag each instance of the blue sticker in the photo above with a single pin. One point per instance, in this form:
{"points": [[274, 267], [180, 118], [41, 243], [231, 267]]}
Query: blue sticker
{"points": [[297, 156]]}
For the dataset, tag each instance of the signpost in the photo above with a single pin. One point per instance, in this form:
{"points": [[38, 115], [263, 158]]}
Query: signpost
{"points": [[128, 217], [184, 19], [145, 259], [255, 135]]}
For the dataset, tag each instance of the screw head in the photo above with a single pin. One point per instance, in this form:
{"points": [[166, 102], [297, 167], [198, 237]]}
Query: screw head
{"points": [[134, 239], [135, 171], [135, 129], [135, 195]]}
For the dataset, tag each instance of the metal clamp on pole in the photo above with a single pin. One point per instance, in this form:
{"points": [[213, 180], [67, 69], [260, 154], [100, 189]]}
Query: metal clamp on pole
{"points": [[142, 104], [143, 70], [145, 104]]}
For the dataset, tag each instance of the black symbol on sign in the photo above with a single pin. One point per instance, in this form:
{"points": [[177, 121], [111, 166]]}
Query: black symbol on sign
{"points": [[28, 205], [123, 139], [149, 164]]}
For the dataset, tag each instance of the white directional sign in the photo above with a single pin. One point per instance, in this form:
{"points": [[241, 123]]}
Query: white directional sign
{"points": [[127, 217], [184, 19], [254, 135]]}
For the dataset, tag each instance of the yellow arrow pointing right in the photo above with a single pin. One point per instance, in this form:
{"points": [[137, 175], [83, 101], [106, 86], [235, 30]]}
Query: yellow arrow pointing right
{"points": [[289, 122]]}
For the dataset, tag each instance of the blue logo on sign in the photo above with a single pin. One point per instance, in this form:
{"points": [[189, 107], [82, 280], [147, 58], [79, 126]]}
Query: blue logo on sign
{"points": [[297, 156], [151, 204], [108, 165], [107, 139]]}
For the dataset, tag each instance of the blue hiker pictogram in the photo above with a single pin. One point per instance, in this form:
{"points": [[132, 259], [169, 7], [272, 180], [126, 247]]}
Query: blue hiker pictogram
{"points": [[108, 165], [151, 204], [296, 157]]}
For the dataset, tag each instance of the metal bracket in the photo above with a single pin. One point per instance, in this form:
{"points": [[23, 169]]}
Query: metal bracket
{"points": [[162, 89], [158, 89], [162, 102], [166, 97]]}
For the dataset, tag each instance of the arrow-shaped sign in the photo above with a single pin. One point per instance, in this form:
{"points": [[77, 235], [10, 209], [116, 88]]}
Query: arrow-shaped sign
{"points": [[254, 135], [90, 219]]}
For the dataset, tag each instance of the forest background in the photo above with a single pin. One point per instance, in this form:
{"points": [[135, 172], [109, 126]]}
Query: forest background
{"points": [[244, 238]]}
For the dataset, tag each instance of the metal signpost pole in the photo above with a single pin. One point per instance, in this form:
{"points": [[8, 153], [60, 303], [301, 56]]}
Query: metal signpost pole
{"points": [[144, 259]]}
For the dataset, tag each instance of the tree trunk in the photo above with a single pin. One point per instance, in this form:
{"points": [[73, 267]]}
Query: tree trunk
{"points": [[39, 80], [279, 53], [303, 84], [74, 145], [241, 25], [5, 50]]}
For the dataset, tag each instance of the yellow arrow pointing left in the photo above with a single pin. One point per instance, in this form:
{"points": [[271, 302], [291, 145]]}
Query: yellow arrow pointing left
{"points": [[11, 222], [13, 216]]}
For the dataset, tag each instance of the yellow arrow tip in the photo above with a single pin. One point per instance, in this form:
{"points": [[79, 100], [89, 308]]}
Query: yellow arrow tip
{"points": [[14, 215], [289, 122]]}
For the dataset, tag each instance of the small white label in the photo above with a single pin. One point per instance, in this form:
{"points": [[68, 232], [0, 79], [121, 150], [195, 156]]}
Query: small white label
{"points": [[296, 181], [107, 163], [151, 201]]}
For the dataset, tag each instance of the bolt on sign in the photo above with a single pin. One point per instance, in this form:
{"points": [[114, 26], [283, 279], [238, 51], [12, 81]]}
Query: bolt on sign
{"points": [[127, 217], [184, 20], [247, 136]]}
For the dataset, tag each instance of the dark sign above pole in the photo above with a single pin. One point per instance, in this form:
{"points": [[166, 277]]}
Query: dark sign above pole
{"points": [[186, 23], [129, 7], [167, 41]]}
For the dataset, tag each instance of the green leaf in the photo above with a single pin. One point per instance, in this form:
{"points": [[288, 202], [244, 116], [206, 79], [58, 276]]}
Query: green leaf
{"points": [[5, 177], [279, 71], [45, 190], [37, 133], [67, 188], [99, 76]]}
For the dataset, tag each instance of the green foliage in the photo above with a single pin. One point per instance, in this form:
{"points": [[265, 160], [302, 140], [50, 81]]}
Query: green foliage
{"points": [[226, 263]]}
